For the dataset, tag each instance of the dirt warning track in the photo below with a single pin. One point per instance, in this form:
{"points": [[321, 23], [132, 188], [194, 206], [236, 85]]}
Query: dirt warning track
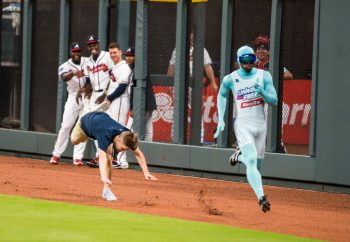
{"points": [[298, 212]]}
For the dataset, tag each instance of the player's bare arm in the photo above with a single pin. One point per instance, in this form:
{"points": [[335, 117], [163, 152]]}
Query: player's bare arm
{"points": [[210, 74], [109, 153], [171, 70], [67, 76], [142, 162], [105, 168]]}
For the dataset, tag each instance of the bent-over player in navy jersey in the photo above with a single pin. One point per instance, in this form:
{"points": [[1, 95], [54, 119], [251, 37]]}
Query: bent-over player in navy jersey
{"points": [[101, 127]]}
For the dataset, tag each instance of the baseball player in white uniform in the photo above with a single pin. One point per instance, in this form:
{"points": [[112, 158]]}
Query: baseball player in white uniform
{"points": [[71, 72], [119, 89], [118, 95], [97, 71], [251, 88]]}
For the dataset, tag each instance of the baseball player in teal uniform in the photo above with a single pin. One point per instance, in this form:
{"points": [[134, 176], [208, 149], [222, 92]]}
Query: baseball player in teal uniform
{"points": [[251, 88]]}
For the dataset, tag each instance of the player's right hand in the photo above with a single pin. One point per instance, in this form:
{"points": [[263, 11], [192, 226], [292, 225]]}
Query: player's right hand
{"points": [[149, 176], [219, 129], [79, 73]]}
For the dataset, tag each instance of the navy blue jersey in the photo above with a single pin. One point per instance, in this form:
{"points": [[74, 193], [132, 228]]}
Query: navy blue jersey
{"points": [[101, 127]]}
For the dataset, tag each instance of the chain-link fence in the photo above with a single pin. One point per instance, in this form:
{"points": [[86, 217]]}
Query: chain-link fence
{"points": [[161, 44], [209, 66], [296, 58], [10, 68], [81, 24], [45, 42], [245, 30], [162, 56]]}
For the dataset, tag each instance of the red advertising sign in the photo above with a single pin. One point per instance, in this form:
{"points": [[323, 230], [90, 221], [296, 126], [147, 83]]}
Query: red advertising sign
{"points": [[163, 116], [295, 114], [296, 111]]}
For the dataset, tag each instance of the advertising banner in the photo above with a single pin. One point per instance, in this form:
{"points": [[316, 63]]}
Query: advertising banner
{"points": [[295, 113]]}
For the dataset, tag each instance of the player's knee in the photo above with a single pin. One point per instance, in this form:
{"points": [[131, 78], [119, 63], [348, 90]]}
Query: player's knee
{"points": [[250, 160]]}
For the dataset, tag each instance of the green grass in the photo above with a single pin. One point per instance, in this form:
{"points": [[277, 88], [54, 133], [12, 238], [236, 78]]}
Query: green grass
{"points": [[25, 219]]}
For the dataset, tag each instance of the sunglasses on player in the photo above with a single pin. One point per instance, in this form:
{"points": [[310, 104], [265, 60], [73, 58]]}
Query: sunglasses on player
{"points": [[262, 46], [247, 59]]}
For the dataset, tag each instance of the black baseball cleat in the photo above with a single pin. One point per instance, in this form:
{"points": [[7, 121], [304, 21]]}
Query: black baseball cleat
{"points": [[234, 158], [264, 204], [93, 163], [283, 148]]}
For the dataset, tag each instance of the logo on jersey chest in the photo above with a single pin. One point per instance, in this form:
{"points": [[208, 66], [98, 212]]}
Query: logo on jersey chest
{"points": [[101, 67], [247, 93]]}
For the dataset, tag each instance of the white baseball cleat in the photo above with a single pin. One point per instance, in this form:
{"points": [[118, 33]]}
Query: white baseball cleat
{"points": [[78, 162], [108, 195], [54, 160], [120, 165]]}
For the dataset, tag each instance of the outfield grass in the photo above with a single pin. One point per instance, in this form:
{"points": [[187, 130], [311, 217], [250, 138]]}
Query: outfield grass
{"points": [[25, 219]]}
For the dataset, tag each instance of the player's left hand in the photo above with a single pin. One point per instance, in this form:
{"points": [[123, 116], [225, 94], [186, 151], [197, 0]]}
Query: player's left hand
{"points": [[258, 88], [149, 176], [78, 73]]}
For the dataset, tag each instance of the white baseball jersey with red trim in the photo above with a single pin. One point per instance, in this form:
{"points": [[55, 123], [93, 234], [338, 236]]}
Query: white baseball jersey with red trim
{"points": [[120, 106], [98, 71], [71, 109]]}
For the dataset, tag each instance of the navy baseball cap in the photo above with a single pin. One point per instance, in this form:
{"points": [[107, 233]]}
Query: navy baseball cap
{"points": [[75, 46], [130, 52], [91, 39]]}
